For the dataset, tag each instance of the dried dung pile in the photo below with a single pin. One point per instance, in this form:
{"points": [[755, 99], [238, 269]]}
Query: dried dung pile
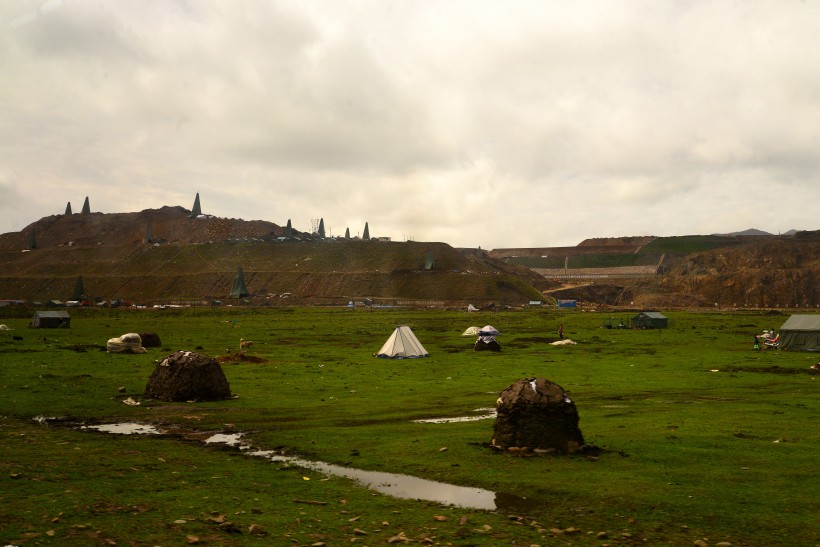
{"points": [[536, 414], [188, 376], [150, 340]]}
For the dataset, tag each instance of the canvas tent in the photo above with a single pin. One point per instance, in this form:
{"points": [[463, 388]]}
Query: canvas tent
{"points": [[471, 331], [239, 289], [51, 320], [486, 339], [800, 333], [650, 320], [402, 344]]}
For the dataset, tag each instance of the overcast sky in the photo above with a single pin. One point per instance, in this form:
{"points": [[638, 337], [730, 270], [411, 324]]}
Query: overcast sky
{"points": [[476, 123]]}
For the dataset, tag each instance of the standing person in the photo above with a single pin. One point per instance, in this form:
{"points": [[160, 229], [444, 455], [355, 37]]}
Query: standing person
{"points": [[757, 343], [561, 331]]}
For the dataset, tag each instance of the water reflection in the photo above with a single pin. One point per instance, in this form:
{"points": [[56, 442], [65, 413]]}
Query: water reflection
{"points": [[391, 484], [397, 485], [488, 413], [125, 428]]}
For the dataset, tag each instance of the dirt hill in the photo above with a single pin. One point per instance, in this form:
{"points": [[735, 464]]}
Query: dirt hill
{"points": [[771, 272], [196, 260]]}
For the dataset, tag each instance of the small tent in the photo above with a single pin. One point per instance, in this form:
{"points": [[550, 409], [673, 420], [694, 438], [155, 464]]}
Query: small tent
{"points": [[650, 320], [471, 331], [800, 333], [51, 320], [402, 344], [486, 339], [239, 289]]}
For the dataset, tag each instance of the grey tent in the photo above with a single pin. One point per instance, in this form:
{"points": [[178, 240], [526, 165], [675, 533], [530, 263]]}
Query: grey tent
{"points": [[321, 227], [86, 207], [366, 234], [79, 289], [51, 320], [68, 208], [347, 233], [289, 230], [650, 320], [239, 289], [402, 344], [800, 333]]}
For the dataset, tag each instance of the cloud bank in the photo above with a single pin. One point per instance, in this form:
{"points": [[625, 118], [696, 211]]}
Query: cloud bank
{"points": [[523, 123]]}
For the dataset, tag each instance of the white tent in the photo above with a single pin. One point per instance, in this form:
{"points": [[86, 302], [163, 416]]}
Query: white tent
{"points": [[471, 331], [402, 344]]}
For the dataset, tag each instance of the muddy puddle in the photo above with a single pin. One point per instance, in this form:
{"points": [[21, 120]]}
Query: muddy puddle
{"points": [[125, 429], [391, 484], [485, 414]]}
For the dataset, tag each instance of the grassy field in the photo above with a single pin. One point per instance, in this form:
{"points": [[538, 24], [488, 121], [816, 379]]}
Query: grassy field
{"points": [[701, 438]]}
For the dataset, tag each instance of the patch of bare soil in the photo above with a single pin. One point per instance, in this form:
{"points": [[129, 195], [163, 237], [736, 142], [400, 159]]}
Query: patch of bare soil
{"points": [[773, 370], [240, 358]]}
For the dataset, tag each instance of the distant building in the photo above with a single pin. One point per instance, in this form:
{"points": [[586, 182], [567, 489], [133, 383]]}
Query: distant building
{"points": [[650, 320], [51, 320]]}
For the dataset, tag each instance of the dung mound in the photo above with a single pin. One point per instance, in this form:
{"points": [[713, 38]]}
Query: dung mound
{"points": [[187, 376], [536, 413]]}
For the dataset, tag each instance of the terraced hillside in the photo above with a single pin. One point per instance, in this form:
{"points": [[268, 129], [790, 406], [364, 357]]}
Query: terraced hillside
{"points": [[197, 259]]}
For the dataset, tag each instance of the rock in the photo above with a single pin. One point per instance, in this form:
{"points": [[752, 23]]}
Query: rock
{"points": [[257, 530]]}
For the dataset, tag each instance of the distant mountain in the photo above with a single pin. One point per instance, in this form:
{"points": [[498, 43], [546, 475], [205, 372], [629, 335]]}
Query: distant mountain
{"points": [[749, 232]]}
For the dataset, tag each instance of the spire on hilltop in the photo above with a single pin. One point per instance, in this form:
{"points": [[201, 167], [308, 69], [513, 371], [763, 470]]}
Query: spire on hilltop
{"points": [[196, 210]]}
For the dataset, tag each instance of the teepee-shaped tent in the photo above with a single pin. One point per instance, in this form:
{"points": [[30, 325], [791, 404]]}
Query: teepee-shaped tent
{"points": [[289, 230], [347, 233], [68, 208], [86, 207], [321, 227], [366, 234], [79, 289], [402, 344], [239, 289]]}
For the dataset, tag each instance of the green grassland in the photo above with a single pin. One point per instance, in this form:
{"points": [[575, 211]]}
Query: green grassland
{"points": [[701, 438]]}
